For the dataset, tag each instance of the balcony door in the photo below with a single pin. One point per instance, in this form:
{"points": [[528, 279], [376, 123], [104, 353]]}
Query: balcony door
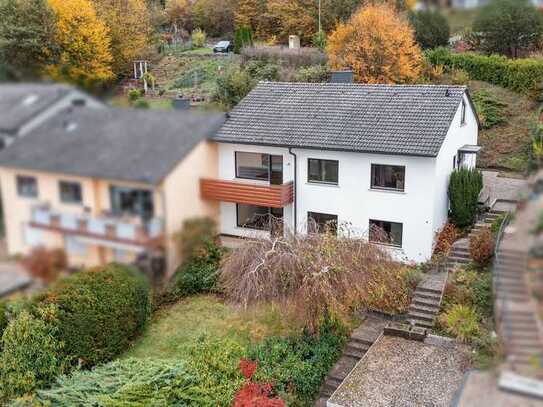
{"points": [[261, 167], [131, 201]]}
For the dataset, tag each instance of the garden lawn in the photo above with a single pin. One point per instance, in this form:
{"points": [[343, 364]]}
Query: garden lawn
{"points": [[175, 327]]}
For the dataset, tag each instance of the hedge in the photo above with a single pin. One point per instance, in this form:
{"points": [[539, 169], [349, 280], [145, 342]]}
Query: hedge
{"points": [[3, 318], [519, 75], [465, 185], [100, 311]]}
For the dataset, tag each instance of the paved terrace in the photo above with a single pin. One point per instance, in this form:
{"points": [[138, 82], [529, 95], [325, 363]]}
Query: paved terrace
{"points": [[402, 372]]}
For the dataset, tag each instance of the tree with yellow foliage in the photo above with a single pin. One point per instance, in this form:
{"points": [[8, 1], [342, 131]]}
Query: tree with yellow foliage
{"points": [[85, 57], [128, 23], [378, 44], [298, 17]]}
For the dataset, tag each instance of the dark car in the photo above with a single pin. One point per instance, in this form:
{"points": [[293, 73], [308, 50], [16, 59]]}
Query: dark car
{"points": [[223, 47]]}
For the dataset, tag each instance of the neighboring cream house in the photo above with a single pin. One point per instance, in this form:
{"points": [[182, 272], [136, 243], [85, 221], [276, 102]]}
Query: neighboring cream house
{"points": [[107, 184], [368, 156]]}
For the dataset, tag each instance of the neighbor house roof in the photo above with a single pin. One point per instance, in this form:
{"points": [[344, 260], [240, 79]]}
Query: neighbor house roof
{"points": [[120, 144], [390, 119], [19, 103]]}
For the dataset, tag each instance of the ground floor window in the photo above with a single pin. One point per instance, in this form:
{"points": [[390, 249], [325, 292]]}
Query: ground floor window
{"points": [[321, 222], [258, 217], [384, 232]]}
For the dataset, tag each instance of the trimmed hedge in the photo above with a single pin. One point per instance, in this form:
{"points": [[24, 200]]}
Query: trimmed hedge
{"points": [[100, 311], [519, 75]]}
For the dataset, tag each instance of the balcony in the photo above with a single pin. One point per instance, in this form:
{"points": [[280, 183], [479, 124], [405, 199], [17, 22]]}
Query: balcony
{"points": [[115, 230], [274, 196]]}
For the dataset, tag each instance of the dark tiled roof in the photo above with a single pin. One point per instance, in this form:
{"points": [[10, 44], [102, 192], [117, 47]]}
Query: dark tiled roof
{"points": [[118, 144], [20, 102], [389, 119]]}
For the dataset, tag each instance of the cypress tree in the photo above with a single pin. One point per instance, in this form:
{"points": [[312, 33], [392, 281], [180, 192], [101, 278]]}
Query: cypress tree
{"points": [[465, 186]]}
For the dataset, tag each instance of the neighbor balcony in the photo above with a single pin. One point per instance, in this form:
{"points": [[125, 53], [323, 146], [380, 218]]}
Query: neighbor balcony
{"points": [[274, 196], [113, 230]]}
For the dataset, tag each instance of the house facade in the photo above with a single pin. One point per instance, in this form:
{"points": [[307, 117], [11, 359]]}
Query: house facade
{"points": [[373, 160], [109, 184], [468, 4]]}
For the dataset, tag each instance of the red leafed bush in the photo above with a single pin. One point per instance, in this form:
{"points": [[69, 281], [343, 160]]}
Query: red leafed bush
{"points": [[254, 394], [481, 247], [445, 239], [45, 264]]}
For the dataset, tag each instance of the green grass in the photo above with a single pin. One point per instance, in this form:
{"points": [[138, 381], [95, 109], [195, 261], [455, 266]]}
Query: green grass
{"points": [[175, 327], [122, 101], [197, 51]]}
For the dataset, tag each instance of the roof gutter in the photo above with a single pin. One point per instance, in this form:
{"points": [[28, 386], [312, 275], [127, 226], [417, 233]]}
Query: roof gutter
{"points": [[295, 190]]}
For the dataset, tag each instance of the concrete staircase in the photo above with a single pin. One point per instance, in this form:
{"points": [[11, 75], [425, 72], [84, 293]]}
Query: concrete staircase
{"points": [[360, 341], [509, 278], [426, 300]]}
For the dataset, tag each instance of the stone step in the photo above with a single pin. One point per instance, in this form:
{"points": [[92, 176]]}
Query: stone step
{"points": [[458, 254], [424, 309], [424, 302], [321, 402], [426, 290], [432, 296], [356, 347], [461, 260], [423, 324], [419, 316]]}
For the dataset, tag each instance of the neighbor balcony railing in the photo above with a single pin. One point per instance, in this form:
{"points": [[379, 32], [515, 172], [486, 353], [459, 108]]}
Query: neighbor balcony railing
{"points": [[107, 228]]}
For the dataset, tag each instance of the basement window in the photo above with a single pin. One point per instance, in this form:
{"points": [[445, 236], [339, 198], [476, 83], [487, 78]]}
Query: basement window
{"points": [[383, 232], [258, 217], [321, 222]]}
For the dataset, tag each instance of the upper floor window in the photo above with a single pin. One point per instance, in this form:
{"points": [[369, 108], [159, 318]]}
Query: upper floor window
{"points": [[463, 113], [27, 186], [70, 192], [388, 177], [322, 171], [384, 232], [131, 201], [321, 222], [259, 166]]}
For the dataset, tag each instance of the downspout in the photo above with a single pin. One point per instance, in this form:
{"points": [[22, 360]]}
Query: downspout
{"points": [[295, 190]]}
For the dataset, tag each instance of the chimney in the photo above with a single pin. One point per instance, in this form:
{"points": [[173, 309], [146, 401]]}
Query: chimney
{"points": [[342, 77], [293, 42], [181, 103]]}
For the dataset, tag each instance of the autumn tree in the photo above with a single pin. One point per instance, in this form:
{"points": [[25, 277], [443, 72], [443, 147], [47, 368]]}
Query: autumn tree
{"points": [[294, 17], [215, 17], [85, 57], [27, 37], [378, 44], [178, 14], [128, 23], [249, 13]]}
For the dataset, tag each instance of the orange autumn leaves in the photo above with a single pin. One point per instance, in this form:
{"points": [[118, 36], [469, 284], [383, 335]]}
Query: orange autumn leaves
{"points": [[378, 45]]}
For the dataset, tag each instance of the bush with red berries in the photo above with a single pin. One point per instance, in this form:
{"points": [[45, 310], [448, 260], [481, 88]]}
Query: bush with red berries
{"points": [[255, 394]]}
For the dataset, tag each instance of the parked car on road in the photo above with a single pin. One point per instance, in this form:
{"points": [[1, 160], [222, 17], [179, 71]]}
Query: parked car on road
{"points": [[223, 47]]}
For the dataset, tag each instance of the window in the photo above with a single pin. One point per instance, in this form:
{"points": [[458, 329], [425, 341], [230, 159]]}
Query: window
{"points": [[70, 192], [74, 247], [322, 171], [27, 187], [321, 222], [131, 201], [386, 232], [388, 177], [463, 113], [257, 217], [257, 166]]}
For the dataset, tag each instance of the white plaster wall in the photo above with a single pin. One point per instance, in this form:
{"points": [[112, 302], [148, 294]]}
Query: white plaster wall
{"points": [[227, 171], [355, 203], [458, 136]]}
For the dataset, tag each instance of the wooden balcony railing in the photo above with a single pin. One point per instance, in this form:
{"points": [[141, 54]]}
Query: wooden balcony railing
{"points": [[274, 196]]}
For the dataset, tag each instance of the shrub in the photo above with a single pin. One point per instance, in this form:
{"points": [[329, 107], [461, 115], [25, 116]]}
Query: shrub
{"points": [[233, 86], [141, 104], [254, 394], [262, 71], [45, 264], [445, 239], [465, 185], [462, 322], [3, 319], [199, 275], [481, 247], [134, 94], [482, 298], [31, 353], [490, 109], [297, 365], [520, 75], [198, 38], [497, 224], [243, 37], [194, 236], [315, 274], [296, 58], [459, 77], [100, 311], [313, 74], [431, 28], [508, 26]]}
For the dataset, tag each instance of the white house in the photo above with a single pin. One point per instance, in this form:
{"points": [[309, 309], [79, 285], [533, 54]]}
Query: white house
{"points": [[367, 156], [467, 4]]}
